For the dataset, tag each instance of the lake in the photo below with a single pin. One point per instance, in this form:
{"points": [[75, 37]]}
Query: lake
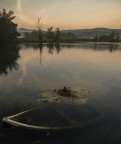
{"points": [[92, 68]]}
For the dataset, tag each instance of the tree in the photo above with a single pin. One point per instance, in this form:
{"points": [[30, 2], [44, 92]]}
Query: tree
{"points": [[112, 35], [104, 38], [39, 27], [96, 38], [68, 37], [117, 36], [8, 29], [50, 35], [57, 35]]}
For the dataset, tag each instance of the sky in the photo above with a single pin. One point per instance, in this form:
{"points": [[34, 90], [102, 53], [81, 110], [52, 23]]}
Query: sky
{"points": [[66, 14]]}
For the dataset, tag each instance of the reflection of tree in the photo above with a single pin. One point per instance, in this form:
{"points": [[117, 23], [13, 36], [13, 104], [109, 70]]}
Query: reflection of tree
{"points": [[58, 48], [95, 46], [41, 50], [37, 46], [8, 58], [50, 47], [100, 47], [112, 48]]}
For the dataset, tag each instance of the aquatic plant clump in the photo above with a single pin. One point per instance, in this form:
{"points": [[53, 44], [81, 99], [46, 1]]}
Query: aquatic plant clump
{"points": [[65, 95], [65, 92]]}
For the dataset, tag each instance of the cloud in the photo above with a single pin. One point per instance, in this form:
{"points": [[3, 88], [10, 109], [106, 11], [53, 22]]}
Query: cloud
{"points": [[22, 18], [19, 6], [8, 4], [65, 13]]}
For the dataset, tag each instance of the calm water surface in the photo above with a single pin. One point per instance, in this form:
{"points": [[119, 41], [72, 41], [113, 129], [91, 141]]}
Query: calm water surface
{"points": [[96, 68]]}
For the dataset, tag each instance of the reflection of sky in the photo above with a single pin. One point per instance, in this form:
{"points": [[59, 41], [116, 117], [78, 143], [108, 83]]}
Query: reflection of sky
{"points": [[96, 70], [66, 13]]}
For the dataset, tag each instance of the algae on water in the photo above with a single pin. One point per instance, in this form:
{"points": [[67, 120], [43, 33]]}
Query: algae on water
{"points": [[65, 95]]}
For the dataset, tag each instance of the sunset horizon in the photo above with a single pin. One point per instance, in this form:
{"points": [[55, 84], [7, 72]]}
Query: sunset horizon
{"points": [[67, 14]]}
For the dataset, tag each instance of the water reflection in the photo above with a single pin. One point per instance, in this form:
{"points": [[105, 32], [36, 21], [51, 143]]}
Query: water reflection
{"points": [[58, 48], [89, 67], [40, 47], [111, 47], [9, 55], [51, 47]]}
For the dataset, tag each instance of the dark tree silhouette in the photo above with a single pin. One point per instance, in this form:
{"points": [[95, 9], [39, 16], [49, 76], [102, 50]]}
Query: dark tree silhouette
{"points": [[50, 47], [57, 35], [96, 37], [8, 29], [50, 35], [68, 37], [112, 36], [39, 27], [9, 55]]}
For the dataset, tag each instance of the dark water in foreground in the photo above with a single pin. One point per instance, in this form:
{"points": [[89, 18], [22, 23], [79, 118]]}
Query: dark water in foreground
{"points": [[93, 68]]}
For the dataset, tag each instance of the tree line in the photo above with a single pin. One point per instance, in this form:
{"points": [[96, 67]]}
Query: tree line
{"points": [[113, 36], [9, 33], [51, 35], [56, 35]]}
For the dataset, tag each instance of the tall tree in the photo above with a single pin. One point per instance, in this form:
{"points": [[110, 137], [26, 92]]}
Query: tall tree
{"points": [[50, 35], [39, 27], [8, 29], [57, 35]]}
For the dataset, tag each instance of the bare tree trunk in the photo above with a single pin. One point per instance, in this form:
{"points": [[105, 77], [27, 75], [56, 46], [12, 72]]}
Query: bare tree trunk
{"points": [[39, 27]]}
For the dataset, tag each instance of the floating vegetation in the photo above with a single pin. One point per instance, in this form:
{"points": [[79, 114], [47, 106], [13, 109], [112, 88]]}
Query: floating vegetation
{"points": [[66, 95]]}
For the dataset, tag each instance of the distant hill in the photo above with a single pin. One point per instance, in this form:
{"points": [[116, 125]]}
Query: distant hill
{"points": [[91, 33], [24, 30], [81, 33]]}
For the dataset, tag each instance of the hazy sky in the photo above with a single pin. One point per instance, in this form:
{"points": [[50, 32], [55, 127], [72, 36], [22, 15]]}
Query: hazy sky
{"points": [[66, 14]]}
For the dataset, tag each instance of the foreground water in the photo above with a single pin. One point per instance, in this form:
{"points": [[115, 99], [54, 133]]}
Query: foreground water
{"points": [[94, 69]]}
